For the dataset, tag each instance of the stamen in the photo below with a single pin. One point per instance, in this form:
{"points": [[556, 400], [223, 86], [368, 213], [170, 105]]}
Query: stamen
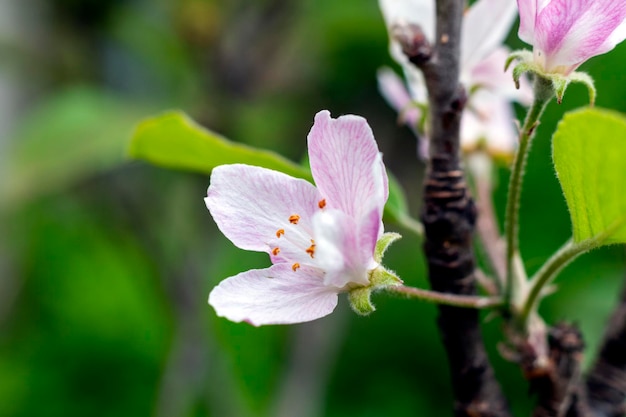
{"points": [[280, 232], [311, 249], [322, 203], [294, 219], [275, 251], [295, 266]]}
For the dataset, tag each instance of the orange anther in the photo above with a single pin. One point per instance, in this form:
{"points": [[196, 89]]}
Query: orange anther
{"points": [[311, 250], [322, 203], [280, 232], [275, 251], [294, 219], [295, 266]]}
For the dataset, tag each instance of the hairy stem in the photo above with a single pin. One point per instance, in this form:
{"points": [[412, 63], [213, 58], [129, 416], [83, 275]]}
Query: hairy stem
{"points": [[546, 274], [468, 301], [543, 94]]}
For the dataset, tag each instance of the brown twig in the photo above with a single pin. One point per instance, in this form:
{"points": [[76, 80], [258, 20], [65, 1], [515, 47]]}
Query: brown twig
{"points": [[449, 214], [606, 383], [557, 382]]}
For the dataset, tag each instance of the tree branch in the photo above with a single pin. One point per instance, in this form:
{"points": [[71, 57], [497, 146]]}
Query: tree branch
{"points": [[606, 383], [557, 383], [449, 215]]}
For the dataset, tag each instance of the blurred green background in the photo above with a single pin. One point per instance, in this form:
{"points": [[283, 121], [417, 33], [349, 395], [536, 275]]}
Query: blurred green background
{"points": [[106, 263]]}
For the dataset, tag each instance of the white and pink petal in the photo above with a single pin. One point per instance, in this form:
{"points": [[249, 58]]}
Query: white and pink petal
{"points": [[276, 295], [251, 204], [343, 154], [393, 90], [345, 249], [572, 31]]}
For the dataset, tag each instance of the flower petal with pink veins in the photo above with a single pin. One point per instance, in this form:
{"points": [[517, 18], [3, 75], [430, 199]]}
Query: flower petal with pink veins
{"points": [[250, 204], [342, 153], [276, 295], [528, 11], [569, 32]]}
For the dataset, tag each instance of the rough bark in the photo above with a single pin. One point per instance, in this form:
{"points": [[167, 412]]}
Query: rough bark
{"points": [[449, 215]]}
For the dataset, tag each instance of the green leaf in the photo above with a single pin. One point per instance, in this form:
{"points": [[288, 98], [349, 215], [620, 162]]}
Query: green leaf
{"points": [[173, 140], [396, 208], [70, 136], [589, 152]]}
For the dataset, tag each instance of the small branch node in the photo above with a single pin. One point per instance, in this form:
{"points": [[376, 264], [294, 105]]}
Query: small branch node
{"points": [[413, 41]]}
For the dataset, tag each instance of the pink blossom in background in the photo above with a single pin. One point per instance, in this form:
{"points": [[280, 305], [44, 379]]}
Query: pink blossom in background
{"points": [[482, 63], [566, 33], [320, 240]]}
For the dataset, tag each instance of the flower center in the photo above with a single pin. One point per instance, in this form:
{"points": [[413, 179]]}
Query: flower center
{"points": [[294, 243]]}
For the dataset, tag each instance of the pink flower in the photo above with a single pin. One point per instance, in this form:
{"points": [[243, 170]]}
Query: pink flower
{"points": [[566, 33], [488, 120], [321, 241]]}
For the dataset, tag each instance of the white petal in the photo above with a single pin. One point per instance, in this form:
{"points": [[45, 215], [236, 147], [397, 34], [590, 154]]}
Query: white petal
{"points": [[345, 249], [489, 118], [420, 12], [250, 204], [485, 27], [277, 295]]}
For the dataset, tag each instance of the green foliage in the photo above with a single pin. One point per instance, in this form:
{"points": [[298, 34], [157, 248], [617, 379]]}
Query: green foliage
{"points": [[589, 152], [173, 140], [396, 209], [76, 134]]}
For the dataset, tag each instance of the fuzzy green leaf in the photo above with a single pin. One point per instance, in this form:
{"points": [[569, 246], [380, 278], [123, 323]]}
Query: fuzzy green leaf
{"points": [[589, 152], [382, 278], [360, 301], [173, 140], [70, 136]]}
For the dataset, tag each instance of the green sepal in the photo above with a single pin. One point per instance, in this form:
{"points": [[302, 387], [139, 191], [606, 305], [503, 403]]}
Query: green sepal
{"points": [[360, 297], [360, 301], [520, 69], [522, 55], [587, 81], [381, 278], [383, 243], [560, 81], [559, 84]]}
